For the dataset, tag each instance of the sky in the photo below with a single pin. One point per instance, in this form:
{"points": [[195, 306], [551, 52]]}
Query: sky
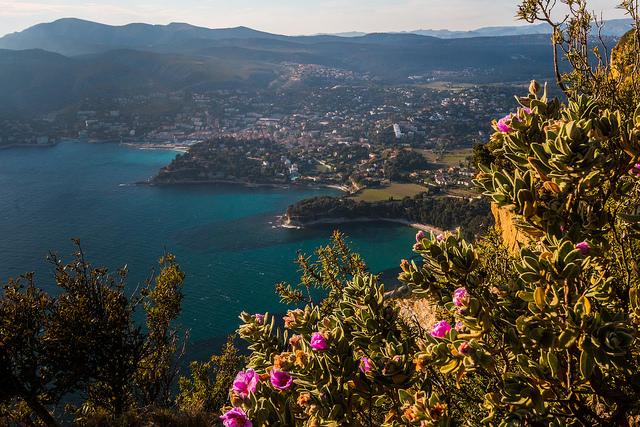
{"points": [[291, 17]]}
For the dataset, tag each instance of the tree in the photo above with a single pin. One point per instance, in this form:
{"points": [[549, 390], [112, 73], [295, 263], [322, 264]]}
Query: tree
{"points": [[86, 341], [607, 76]]}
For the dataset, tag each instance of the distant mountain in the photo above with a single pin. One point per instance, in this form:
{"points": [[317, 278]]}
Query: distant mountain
{"points": [[345, 34], [72, 36], [520, 30], [51, 65], [612, 28]]}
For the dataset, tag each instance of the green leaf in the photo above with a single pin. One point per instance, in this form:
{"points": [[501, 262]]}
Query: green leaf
{"points": [[539, 297], [554, 363], [450, 367], [567, 338], [405, 397], [586, 363]]}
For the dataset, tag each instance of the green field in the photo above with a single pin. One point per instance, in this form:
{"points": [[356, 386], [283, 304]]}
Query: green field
{"points": [[449, 158], [320, 168], [459, 86], [442, 85], [394, 190]]}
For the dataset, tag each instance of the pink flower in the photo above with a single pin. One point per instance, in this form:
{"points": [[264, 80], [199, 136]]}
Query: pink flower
{"points": [[460, 297], [636, 169], [440, 237], [527, 110], [280, 379], [259, 318], [464, 348], [419, 236], [318, 341], [418, 247], [365, 365], [440, 329], [459, 326], [503, 124], [245, 383], [236, 417], [584, 247]]}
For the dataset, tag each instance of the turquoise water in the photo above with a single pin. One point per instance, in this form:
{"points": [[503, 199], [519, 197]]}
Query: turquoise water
{"points": [[223, 236]]}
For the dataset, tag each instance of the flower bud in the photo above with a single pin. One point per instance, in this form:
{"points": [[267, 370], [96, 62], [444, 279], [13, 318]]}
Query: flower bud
{"points": [[584, 247], [464, 348], [534, 87]]}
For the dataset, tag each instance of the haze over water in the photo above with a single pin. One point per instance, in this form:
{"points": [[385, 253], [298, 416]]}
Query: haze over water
{"points": [[223, 236]]}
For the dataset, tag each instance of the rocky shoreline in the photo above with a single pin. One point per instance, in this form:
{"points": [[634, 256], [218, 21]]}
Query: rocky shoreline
{"points": [[287, 222]]}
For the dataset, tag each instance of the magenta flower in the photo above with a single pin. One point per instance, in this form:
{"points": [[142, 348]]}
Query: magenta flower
{"points": [[459, 326], [440, 329], [245, 383], [365, 365], [527, 110], [259, 318], [419, 236], [460, 297], [440, 237], [236, 417], [280, 379], [318, 341], [584, 247], [636, 169], [503, 124]]}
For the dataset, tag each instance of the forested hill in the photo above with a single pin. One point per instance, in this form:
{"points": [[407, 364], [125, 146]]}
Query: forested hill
{"points": [[472, 216], [95, 61]]}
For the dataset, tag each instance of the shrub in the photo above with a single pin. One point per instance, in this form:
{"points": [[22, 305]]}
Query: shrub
{"points": [[85, 343]]}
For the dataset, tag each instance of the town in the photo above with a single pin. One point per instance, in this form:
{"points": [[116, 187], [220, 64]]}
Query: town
{"points": [[331, 126]]}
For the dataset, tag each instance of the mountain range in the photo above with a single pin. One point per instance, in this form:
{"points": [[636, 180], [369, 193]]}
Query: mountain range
{"points": [[53, 64], [611, 28]]}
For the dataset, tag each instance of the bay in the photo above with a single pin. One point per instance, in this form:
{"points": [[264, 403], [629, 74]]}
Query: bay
{"points": [[224, 237]]}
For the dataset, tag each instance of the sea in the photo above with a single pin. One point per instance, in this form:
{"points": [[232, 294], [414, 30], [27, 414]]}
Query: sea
{"points": [[226, 238]]}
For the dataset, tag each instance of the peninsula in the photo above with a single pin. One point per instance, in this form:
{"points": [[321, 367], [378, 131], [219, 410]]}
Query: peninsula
{"points": [[424, 211]]}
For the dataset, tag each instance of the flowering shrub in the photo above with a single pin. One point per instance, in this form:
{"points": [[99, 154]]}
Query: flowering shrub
{"points": [[544, 334]]}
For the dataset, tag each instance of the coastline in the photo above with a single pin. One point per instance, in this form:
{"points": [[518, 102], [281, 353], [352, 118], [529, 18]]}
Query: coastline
{"points": [[286, 223], [26, 145], [156, 146], [246, 184]]}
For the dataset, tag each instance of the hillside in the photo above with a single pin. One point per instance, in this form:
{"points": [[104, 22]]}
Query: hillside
{"points": [[37, 81], [71, 36], [79, 59], [612, 28], [53, 65]]}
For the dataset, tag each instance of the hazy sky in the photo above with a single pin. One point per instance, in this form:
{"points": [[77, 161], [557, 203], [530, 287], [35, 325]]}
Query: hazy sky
{"points": [[279, 16]]}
